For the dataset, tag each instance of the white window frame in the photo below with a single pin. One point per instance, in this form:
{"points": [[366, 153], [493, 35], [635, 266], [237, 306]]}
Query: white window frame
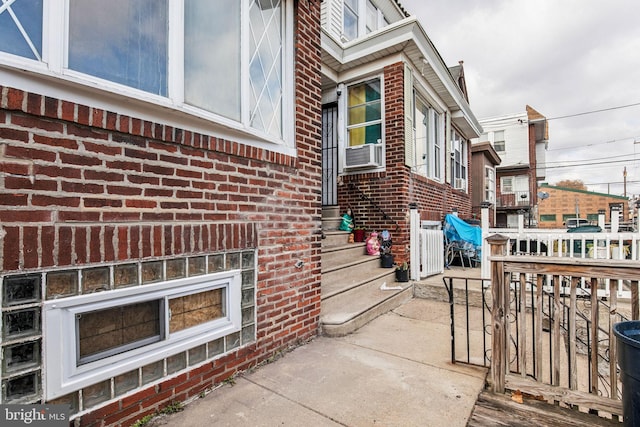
{"points": [[63, 373], [489, 184], [514, 184], [428, 166], [50, 77], [503, 144], [362, 14], [365, 124], [459, 167]]}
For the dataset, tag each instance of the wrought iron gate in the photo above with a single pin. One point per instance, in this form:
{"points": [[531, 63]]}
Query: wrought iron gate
{"points": [[329, 155]]}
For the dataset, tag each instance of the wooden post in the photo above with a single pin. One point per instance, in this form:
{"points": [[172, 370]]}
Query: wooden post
{"points": [[556, 319], [613, 346], [573, 359], [595, 326], [500, 298]]}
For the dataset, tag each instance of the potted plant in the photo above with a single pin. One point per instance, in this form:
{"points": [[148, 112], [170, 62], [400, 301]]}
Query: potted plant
{"points": [[402, 272]]}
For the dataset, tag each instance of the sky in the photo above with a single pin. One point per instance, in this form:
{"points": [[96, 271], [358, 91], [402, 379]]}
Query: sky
{"points": [[562, 57]]}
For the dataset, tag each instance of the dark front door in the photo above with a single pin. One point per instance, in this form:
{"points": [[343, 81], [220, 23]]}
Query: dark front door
{"points": [[329, 155]]}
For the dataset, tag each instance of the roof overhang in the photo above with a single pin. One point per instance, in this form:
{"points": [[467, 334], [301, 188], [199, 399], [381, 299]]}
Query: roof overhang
{"points": [[408, 38], [486, 148]]}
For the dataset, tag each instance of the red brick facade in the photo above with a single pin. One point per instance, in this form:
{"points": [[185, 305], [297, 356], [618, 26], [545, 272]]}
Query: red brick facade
{"points": [[85, 186], [371, 195]]}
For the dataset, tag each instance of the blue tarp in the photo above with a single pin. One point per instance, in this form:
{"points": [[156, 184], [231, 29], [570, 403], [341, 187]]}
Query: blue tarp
{"points": [[456, 229]]}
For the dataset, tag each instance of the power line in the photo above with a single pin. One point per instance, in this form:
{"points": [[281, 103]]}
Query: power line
{"points": [[573, 147], [593, 111], [626, 156], [585, 164]]}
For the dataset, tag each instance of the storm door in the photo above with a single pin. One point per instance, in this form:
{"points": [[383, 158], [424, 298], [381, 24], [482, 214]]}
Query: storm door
{"points": [[329, 155]]}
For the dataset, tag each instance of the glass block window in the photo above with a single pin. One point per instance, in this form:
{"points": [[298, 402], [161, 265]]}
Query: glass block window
{"points": [[112, 331], [21, 290], [164, 315]]}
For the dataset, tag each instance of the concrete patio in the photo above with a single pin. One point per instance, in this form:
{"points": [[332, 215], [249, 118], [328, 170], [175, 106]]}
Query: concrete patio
{"points": [[395, 371]]}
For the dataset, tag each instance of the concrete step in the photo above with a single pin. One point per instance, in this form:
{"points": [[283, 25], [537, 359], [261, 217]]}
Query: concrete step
{"points": [[334, 238], [352, 282], [330, 211], [357, 272], [348, 311], [331, 224], [336, 255], [331, 218]]}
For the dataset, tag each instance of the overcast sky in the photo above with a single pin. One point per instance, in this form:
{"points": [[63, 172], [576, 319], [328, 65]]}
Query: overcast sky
{"points": [[562, 57]]}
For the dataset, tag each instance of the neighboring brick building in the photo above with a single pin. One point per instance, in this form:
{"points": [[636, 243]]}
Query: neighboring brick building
{"points": [[160, 224], [564, 203], [397, 120], [484, 161]]}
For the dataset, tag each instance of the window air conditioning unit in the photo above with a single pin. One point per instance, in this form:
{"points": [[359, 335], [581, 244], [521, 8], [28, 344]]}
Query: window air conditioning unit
{"points": [[460, 183], [363, 156]]}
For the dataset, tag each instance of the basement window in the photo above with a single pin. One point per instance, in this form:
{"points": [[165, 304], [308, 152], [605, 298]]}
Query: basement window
{"points": [[111, 333]]}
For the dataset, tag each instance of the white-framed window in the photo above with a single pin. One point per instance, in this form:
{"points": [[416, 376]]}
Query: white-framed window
{"points": [[458, 160], [94, 337], [360, 17], [514, 184], [364, 139], [350, 19], [498, 141], [364, 113], [489, 184], [429, 139], [229, 62]]}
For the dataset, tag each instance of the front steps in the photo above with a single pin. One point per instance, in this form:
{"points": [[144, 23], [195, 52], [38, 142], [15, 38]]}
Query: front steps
{"points": [[354, 286]]}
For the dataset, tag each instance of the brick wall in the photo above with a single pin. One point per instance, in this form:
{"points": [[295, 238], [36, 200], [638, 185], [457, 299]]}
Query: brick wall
{"points": [[83, 186], [372, 195]]}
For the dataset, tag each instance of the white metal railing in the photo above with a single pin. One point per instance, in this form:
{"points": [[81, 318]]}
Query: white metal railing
{"points": [[561, 243]]}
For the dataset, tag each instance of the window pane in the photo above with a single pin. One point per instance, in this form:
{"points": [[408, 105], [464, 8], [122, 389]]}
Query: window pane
{"points": [[365, 106], [265, 66], [212, 56], [196, 309], [21, 28], [372, 17], [121, 41], [106, 332], [350, 25]]}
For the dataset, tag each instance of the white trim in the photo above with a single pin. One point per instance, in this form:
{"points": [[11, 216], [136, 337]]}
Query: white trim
{"points": [[343, 123], [62, 375], [51, 78]]}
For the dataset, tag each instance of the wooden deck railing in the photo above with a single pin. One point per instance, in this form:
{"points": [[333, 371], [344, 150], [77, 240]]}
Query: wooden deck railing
{"points": [[558, 344]]}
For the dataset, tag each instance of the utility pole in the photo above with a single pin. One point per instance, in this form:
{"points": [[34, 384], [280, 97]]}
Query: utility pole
{"points": [[624, 176]]}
